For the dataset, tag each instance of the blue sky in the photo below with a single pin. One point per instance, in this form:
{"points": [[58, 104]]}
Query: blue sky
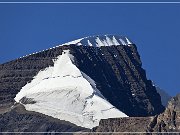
{"points": [[154, 28]]}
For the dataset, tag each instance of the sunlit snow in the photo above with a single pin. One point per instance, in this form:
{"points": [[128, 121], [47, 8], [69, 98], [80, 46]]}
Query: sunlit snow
{"points": [[64, 92], [114, 40], [122, 41], [109, 41], [128, 42], [99, 42], [89, 43]]}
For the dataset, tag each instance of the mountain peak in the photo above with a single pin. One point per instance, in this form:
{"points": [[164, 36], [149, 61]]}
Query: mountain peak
{"points": [[101, 40], [95, 41]]}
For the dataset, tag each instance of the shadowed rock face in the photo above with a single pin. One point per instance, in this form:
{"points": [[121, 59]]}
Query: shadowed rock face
{"points": [[118, 74], [168, 121], [116, 70]]}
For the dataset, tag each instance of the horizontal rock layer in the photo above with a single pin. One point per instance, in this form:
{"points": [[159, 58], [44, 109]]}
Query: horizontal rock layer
{"points": [[168, 121]]}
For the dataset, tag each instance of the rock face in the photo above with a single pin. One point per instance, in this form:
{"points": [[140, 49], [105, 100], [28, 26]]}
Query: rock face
{"points": [[115, 66], [118, 75], [131, 124], [168, 121], [20, 120]]}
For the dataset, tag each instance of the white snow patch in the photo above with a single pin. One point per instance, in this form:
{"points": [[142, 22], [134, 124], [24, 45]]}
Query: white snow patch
{"points": [[64, 92], [128, 42], [99, 42], [73, 42], [79, 44], [122, 41], [115, 41], [89, 43], [109, 41], [105, 43]]}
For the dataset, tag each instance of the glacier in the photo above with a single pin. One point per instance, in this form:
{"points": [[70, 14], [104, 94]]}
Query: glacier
{"points": [[66, 93]]}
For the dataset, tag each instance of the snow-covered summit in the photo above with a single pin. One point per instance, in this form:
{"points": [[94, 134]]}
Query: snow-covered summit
{"points": [[95, 41], [101, 40]]}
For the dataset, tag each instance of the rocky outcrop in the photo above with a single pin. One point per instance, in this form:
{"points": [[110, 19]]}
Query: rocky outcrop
{"points": [[19, 120], [130, 124], [168, 121]]}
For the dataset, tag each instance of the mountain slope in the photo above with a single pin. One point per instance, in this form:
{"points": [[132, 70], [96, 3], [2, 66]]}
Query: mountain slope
{"points": [[110, 65], [64, 92], [21, 120]]}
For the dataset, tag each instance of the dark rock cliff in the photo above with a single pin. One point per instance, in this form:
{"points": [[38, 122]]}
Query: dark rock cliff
{"points": [[116, 70], [119, 76]]}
